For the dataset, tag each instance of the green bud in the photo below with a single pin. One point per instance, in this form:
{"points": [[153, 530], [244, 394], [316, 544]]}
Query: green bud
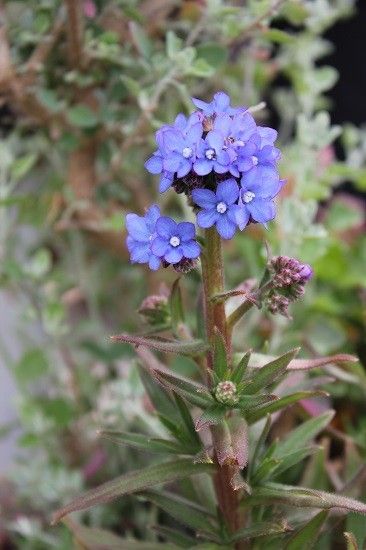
{"points": [[226, 392]]}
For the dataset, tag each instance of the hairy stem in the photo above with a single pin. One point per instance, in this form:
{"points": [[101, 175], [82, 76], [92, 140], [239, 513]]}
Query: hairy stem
{"points": [[213, 281]]}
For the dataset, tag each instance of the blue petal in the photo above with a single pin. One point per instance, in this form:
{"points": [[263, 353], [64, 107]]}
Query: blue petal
{"points": [[165, 181], [151, 217], [186, 231], [194, 134], [215, 140], [264, 181], [159, 246], [228, 191], [172, 162], [222, 101], [184, 168], [191, 249], [223, 124], [268, 135], [207, 218], [137, 228], [180, 121], [225, 227], [154, 262], [174, 255], [140, 253], [206, 107], [204, 198], [262, 210], [242, 216], [154, 164], [202, 167], [166, 227], [173, 140]]}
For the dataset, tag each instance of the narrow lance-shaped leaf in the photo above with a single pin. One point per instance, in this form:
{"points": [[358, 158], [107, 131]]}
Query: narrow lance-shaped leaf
{"points": [[195, 393], [274, 406], [143, 442], [260, 445], [248, 402], [270, 372], [351, 541], [176, 306], [159, 397], [306, 537], [187, 421], [263, 529], [301, 496], [304, 433], [133, 482], [183, 510], [189, 347], [173, 535], [220, 357], [240, 369]]}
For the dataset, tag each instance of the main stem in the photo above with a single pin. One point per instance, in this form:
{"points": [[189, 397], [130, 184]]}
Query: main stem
{"points": [[213, 281]]}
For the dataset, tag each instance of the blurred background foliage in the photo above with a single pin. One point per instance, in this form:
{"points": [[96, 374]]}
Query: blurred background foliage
{"points": [[84, 84]]}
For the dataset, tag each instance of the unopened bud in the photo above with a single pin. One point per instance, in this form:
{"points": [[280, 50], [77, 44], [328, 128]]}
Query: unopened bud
{"points": [[155, 309], [226, 392]]}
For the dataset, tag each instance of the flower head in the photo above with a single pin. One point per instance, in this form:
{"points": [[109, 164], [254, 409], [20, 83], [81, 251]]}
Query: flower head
{"points": [[141, 232], [175, 242], [219, 104], [218, 208]]}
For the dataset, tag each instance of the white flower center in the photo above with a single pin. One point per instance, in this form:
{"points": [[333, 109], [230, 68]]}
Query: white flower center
{"points": [[187, 152], [210, 153], [175, 241], [255, 160], [221, 207], [248, 196]]}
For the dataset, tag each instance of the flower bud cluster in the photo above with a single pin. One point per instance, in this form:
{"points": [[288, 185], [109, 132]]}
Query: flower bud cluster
{"points": [[155, 309], [226, 392]]}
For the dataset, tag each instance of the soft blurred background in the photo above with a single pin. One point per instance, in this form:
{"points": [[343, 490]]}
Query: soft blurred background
{"points": [[83, 86]]}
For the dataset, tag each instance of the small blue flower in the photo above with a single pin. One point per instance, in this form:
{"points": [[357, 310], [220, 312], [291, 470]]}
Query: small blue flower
{"points": [[219, 104], [259, 187], [175, 241], [211, 155], [141, 233], [179, 149], [218, 208]]}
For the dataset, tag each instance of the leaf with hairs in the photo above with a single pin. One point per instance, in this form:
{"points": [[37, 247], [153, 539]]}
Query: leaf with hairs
{"points": [[304, 433], [188, 427], [351, 541], [301, 496], [260, 530], [238, 372], [212, 416], [93, 538], [258, 360], [248, 402], [176, 537], [193, 392], [176, 306], [133, 482], [158, 395], [220, 365], [306, 537], [144, 442], [274, 406], [183, 510], [270, 372], [180, 347]]}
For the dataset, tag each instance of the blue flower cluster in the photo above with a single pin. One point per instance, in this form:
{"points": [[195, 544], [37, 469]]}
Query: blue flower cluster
{"points": [[154, 239], [225, 163]]}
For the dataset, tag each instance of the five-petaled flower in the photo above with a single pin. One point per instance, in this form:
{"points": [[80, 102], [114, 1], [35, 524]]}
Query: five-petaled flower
{"points": [[175, 241], [218, 208], [141, 232]]}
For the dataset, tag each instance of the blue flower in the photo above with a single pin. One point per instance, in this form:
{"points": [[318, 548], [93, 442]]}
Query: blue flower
{"points": [[211, 155], [219, 104], [175, 241], [141, 232], [179, 149], [218, 208], [259, 186]]}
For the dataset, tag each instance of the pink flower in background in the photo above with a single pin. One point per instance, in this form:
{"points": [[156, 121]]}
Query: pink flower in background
{"points": [[90, 9]]}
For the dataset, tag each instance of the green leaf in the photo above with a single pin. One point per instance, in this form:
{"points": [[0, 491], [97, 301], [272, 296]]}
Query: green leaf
{"points": [[249, 401], [183, 510], [133, 482], [176, 306], [22, 165], [278, 37], [220, 357], [351, 541], [31, 366], [48, 98], [92, 538], [274, 406], [176, 537], [240, 369], [213, 53], [188, 425], [287, 461], [259, 445], [307, 536], [259, 530], [141, 40], [304, 433], [193, 392], [158, 395], [270, 372], [212, 416], [301, 496], [173, 44], [143, 442], [82, 117], [191, 347], [201, 68]]}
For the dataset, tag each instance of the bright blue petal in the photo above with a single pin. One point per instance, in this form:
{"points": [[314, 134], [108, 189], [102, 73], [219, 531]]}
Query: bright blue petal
{"points": [[184, 168], [222, 102], [166, 227], [154, 164], [159, 246], [242, 216], [137, 228], [186, 231], [194, 134], [191, 249], [202, 167], [154, 262], [205, 198], [173, 140], [207, 218], [174, 255], [223, 124], [228, 191], [151, 217], [268, 135], [140, 253], [180, 121], [172, 162], [215, 140], [206, 107], [262, 210], [264, 181], [225, 227], [165, 181]]}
